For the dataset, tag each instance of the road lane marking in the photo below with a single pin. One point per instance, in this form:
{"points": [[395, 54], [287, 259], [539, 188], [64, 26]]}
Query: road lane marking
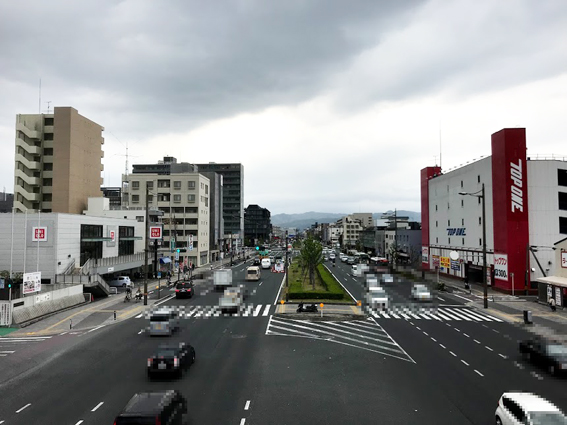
{"points": [[78, 423], [62, 333], [457, 329], [460, 314], [260, 284], [496, 331], [488, 348], [257, 310], [518, 365], [22, 408], [439, 298], [478, 372], [247, 405], [97, 406], [418, 328], [466, 335], [465, 362], [278, 294], [266, 310], [478, 342], [98, 327], [425, 333], [453, 354], [242, 421], [8, 352], [433, 339], [442, 346], [535, 375], [503, 356]]}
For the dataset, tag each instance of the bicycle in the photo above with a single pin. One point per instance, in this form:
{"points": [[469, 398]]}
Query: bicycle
{"points": [[128, 297]]}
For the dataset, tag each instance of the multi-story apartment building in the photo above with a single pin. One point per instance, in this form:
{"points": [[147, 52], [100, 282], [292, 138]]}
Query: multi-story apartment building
{"points": [[233, 199], [114, 195], [57, 162], [352, 225], [185, 200], [216, 228], [6, 202], [257, 224]]}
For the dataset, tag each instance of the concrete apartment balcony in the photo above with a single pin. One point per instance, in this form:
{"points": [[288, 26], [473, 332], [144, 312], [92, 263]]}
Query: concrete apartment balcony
{"points": [[28, 196], [32, 181], [31, 149], [32, 165], [114, 264], [32, 134], [48, 129]]}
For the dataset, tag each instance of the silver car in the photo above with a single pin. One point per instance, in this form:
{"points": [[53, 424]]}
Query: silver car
{"points": [[163, 322], [420, 292]]}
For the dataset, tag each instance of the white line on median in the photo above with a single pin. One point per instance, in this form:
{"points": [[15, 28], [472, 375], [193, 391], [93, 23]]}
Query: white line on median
{"points": [[97, 406], [98, 327], [439, 298], [22, 408], [247, 405], [281, 286]]}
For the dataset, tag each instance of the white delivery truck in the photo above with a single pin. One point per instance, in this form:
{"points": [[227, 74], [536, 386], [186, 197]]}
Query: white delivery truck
{"points": [[222, 278]]}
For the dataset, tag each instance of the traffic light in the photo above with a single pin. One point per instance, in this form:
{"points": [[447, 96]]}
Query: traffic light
{"points": [[181, 249], [257, 248]]}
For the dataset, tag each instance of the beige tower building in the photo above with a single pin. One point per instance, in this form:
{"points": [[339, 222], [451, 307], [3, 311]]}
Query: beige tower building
{"points": [[58, 161]]}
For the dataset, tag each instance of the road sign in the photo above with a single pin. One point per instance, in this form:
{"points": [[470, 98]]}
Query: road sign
{"points": [[176, 255], [155, 232], [172, 244]]}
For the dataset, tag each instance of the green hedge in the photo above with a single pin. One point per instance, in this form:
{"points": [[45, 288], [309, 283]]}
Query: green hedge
{"points": [[334, 289]]}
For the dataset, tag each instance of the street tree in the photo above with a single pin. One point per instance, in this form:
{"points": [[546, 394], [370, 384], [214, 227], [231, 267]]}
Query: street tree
{"points": [[311, 255]]}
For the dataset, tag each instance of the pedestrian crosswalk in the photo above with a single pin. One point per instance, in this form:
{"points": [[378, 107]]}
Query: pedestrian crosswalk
{"points": [[10, 345], [204, 311], [363, 334], [440, 313]]}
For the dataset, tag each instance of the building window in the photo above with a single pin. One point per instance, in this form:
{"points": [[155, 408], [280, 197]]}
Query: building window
{"points": [[435, 207], [479, 241], [150, 184], [436, 223], [462, 203], [48, 182], [150, 199], [478, 178], [125, 247], [48, 121], [206, 189], [48, 136], [462, 221], [449, 239], [190, 185], [47, 197], [140, 218], [463, 241], [176, 198], [461, 183], [177, 184], [436, 240], [191, 198], [561, 177], [47, 166], [480, 221], [563, 225], [562, 201], [449, 223], [135, 199], [48, 151], [479, 199], [135, 185]]}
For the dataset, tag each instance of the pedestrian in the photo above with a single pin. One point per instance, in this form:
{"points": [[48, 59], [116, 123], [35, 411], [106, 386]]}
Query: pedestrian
{"points": [[552, 304]]}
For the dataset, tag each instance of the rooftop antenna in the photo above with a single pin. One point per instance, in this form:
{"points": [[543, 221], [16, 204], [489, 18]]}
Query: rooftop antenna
{"points": [[440, 166], [49, 107]]}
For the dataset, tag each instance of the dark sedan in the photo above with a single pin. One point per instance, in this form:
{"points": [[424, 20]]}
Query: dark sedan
{"points": [[171, 359], [184, 288], [549, 354]]}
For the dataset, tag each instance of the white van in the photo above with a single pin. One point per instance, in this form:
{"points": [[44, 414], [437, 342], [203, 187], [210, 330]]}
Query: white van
{"points": [[252, 273], [120, 281], [266, 263]]}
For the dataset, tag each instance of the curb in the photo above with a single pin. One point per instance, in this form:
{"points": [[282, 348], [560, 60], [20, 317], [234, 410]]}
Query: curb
{"points": [[45, 316]]}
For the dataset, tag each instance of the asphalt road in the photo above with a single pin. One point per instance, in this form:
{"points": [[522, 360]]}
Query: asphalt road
{"points": [[260, 369]]}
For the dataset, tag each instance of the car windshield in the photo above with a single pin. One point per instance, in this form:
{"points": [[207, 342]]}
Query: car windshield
{"points": [[557, 349], [183, 285], [252, 271], [159, 318], [378, 293], [421, 289], [166, 353], [547, 418]]}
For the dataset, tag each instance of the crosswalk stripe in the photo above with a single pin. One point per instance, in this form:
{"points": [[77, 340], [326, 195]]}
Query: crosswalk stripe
{"points": [[425, 316], [461, 315], [496, 319], [479, 317], [413, 315], [446, 313], [266, 310]]}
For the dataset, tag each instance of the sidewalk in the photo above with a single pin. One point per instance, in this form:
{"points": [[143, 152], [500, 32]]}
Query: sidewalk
{"points": [[102, 312], [509, 307]]}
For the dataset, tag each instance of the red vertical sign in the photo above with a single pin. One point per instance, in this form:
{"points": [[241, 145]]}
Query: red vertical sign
{"points": [[426, 174], [510, 202]]}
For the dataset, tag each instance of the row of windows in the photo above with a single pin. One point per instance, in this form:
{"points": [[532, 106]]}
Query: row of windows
{"points": [[176, 198], [462, 241], [177, 184], [462, 222]]}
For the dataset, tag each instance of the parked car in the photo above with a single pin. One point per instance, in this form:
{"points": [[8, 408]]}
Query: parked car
{"points": [[420, 292], [171, 359], [549, 354], [160, 407], [184, 289], [164, 322], [518, 408], [120, 281]]}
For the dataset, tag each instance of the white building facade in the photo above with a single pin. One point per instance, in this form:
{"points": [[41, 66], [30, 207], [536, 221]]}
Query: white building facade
{"points": [[525, 208]]}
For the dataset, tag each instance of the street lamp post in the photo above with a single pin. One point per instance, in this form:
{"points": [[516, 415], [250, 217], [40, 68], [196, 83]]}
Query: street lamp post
{"points": [[484, 280]]}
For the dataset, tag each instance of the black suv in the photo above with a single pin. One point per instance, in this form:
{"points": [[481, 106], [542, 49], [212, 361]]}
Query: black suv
{"points": [[184, 288], [171, 359], [155, 408]]}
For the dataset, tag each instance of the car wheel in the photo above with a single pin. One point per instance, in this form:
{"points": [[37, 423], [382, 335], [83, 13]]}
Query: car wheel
{"points": [[124, 285], [552, 369], [194, 357], [498, 421]]}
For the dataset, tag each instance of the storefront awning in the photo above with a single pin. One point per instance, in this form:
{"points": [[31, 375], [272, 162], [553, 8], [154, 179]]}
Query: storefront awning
{"points": [[165, 260], [554, 280]]}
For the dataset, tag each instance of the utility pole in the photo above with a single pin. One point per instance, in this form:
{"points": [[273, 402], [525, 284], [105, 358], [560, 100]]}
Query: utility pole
{"points": [[485, 284], [146, 246], [286, 258]]}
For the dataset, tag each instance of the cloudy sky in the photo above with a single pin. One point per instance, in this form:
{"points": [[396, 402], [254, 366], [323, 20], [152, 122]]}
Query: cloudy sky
{"points": [[330, 105]]}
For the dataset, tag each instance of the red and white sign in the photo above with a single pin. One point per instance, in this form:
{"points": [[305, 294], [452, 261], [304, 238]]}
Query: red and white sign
{"points": [[501, 266], [155, 232], [32, 282], [112, 236], [425, 255], [39, 234], [564, 259]]}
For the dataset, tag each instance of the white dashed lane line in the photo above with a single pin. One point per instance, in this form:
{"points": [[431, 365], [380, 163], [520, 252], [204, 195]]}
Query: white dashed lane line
{"points": [[478, 372], [22, 408], [247, 406], [97, 406]]}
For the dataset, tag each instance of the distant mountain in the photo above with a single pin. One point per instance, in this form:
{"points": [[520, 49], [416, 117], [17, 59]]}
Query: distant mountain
{"points": [[305, 220]]}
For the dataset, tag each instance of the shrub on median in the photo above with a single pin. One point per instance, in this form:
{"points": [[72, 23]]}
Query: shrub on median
{"points": [[334, 290]]}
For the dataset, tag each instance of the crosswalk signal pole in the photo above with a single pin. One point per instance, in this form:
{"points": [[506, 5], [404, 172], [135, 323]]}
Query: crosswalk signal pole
{"points": [[146, 246]]}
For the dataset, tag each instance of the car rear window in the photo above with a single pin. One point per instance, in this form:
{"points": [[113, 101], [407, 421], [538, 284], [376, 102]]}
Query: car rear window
{"points": [[159, 318], [167, 353], [252, 271], [185, 285], [136, 420]]}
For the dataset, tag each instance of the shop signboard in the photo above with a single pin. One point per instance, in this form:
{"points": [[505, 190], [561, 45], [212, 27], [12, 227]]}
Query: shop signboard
{"points": [[425, 255], [564, 259], [455, 265], [445, 262], [435, 259], [32, 283], [501, 266]]}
